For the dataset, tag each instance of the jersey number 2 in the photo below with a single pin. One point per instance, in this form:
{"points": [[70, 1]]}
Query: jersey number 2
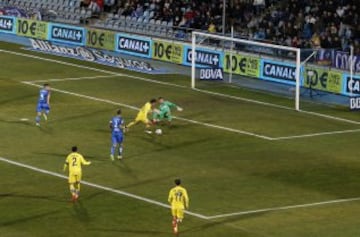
{"points": [[74, 161]]}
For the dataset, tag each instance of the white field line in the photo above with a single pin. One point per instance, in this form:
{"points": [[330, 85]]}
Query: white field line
{"points": [[276, 209], [198, 122], [92, 68], [136, 108], [180, 86], [126, 194], [228, 129], [330, 117], [153, 202], [279, 106], [73, 78], [316, 134], [194, 121]]}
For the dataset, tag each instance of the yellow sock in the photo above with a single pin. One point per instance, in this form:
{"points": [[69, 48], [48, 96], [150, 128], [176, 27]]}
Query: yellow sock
{"points": [[72, 189], [77, 188], [131, 124]]}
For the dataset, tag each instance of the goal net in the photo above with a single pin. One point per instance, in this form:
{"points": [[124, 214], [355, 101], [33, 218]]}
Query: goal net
{"points": [[221, 61]]}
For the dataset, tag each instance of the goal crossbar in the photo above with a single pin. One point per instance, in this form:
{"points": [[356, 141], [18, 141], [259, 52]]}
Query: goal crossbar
{"points": [[196, 34]]}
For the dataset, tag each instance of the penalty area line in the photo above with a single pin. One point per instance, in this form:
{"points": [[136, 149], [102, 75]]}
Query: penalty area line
{"points": [[284, 208], [242, 132], [181, 86], [316, 134], [280, 107], [101, 187], [233, 130]]}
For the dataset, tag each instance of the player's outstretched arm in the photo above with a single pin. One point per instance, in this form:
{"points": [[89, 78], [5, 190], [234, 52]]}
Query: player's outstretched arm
{"points": [[85, 162], [186, 200], [173, 105], [65, 167], [170, 197]]}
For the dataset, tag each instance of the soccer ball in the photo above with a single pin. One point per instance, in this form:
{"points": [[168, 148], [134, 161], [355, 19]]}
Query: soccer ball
{"points": [[158, 131]]}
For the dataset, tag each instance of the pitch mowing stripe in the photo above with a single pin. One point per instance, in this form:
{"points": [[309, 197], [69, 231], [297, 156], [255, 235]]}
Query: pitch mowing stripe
{"points": [[180, 86], [93, 185], [136, 108], [276, 209]]}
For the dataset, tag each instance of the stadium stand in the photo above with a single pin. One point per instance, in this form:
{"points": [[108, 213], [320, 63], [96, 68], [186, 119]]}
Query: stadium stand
{"points": [[64, 11], [307, 24]]}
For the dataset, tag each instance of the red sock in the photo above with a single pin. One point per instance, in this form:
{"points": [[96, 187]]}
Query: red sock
{"points": [[175, 226]]}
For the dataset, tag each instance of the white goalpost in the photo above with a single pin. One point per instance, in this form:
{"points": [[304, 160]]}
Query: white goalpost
{"points": [[200, 36]]}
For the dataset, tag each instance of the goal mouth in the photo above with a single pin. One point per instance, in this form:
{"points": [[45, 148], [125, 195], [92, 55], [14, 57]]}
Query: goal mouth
{"points": [[237, 62]]}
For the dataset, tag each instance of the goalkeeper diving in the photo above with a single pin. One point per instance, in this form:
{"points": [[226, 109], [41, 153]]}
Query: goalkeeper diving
{"points": [[164, 111]]}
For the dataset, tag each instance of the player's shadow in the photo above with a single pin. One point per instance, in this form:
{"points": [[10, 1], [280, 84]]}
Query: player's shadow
{"points": [[124, 168], [45, 129], [94, 195], [164, 146], [80, 211], [225, 221], [28, 218]]}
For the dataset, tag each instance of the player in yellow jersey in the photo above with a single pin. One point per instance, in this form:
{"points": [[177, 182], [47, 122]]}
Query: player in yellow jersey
{"points": [[142, 115], [179, 201], [74, 161]]}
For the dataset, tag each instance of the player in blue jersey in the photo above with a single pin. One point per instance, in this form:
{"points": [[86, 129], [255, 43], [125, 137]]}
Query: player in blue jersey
{"points": [[43, 106], [117, 134]]}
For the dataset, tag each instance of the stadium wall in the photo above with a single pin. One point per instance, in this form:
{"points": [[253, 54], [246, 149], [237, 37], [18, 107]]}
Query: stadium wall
{"points": [[85, 38]]}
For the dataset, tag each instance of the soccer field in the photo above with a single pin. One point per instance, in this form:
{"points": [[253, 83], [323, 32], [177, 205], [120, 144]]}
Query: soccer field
{"points": [[252, 165]]}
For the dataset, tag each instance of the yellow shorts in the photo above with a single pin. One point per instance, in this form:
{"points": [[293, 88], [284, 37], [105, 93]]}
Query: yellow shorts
{"points": [[177, 212], [141, 118], [74, 177]]}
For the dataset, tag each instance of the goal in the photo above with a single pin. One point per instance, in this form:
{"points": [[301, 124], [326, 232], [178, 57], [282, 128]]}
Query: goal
{"points": [[228, 51]]}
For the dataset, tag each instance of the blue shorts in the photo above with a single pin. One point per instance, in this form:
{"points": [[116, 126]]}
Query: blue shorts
{"points": [[43, 106], [117, 138]]}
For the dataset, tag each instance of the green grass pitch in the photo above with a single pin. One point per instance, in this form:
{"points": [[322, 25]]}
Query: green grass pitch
{"points": [[224, 169]]}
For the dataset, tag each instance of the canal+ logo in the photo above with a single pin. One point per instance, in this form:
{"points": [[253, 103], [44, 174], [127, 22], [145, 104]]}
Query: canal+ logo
{"points": [[6, 24], [68, 34], [204, 58], [133, 45]]}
